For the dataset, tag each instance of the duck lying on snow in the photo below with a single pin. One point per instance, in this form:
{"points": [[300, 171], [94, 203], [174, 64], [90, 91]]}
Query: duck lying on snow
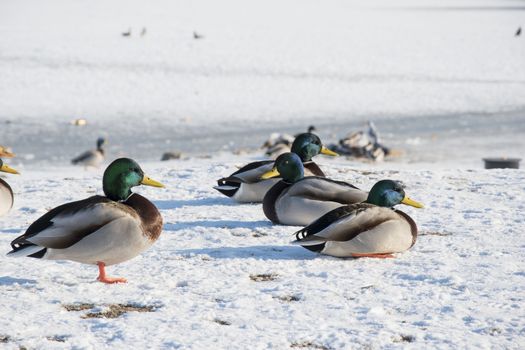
{"points": [[6, 193], [370, 229], [246, 185], [98, 230], [298, 200]]}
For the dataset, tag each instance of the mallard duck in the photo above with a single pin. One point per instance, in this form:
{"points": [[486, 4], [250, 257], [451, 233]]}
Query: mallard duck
{"points": [[92, 158], [6, 193], [297, 200], [97, 230], [246, 185], [278, 144], [369, 229]]}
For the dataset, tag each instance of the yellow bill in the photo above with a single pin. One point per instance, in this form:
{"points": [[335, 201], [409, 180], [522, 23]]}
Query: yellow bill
{"points": [[412, 203], [328, 152], [9, 170], [150, 182], [270, 174]]}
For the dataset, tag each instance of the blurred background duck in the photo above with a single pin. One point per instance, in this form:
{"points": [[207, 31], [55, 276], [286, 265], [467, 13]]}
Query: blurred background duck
{"points": [[6, 193], [278, 143], [98, 230], [369, 229], [245, 185], [298, 200], [6, 152], [92, 158]]}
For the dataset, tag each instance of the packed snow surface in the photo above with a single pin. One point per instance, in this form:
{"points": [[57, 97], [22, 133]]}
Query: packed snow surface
{"points": [[222, 276]]}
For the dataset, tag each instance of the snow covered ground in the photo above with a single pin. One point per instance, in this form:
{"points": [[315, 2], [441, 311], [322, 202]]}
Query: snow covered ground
{"points": [[444, 82], [461, 286]]}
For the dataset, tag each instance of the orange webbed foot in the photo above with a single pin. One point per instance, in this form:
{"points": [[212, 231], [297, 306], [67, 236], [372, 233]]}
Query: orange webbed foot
{"points": [[102, 277], [111, 280]]}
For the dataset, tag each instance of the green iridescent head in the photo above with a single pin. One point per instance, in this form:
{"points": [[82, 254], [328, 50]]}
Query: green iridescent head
{"points": [[123, 174], [308, 145], [388, 193], [288, 166]]}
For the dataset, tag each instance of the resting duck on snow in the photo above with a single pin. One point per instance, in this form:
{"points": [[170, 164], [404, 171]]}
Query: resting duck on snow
{"points": [[6, 193], [98, 230], [92, 158], [369, 229], [246, 185], [298, 200]]}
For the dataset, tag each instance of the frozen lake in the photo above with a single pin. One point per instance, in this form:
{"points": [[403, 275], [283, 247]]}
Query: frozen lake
{"points": [[441, 80], [459, 139]]}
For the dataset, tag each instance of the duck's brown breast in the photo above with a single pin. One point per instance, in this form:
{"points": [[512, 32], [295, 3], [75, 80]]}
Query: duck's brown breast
{"points": [[149, 215]]}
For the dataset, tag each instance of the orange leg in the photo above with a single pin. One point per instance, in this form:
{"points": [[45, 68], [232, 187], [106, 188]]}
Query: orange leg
{"points": [[105, 279], [377, 256]]}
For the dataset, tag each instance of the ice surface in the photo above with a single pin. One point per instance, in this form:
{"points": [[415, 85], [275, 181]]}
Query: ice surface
{"points": [[261, 67]]}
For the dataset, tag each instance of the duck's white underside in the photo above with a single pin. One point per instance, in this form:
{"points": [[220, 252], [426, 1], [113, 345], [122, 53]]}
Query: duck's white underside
{"points": [[116, 242], [6, 200], [393, 236], [120, 239], [300, 211], [308, 200], [254, 192]]}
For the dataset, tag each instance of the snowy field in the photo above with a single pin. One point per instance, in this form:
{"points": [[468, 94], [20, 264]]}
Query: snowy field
{"points": [[444, 82], [460, 286]]}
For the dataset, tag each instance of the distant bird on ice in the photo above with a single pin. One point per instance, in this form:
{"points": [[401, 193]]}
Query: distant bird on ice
{"points": [[128, 33], [99, 230], [518, 32], [197, 35], [92, 158], [143, 31]]}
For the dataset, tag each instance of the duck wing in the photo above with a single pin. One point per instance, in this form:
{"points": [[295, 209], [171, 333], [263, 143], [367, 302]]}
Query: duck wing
{"points": [[83, 157], [249, 173], [344, 223], [67, 224], [323, 189]]}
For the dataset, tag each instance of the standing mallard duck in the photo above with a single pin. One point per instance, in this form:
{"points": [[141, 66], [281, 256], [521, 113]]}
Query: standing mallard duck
{"points": [[369, 229], [93, 158], [246, 185], [98, 230], [6, 193], [297, 200]]}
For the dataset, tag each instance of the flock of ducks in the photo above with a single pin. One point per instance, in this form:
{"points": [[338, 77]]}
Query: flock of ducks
{"points": [[339, 219]]}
